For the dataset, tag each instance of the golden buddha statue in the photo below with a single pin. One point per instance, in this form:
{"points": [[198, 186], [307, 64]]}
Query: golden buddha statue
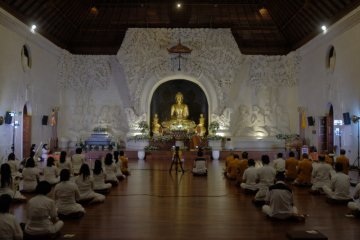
{"points": [[179, 114], [156, 127], [200, 128]]}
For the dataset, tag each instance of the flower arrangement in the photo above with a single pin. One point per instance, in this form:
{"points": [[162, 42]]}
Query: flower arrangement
{"points": [[151, 148], [163, 138], [214, 137], [144, 127], [214, 127], [139, 137], [285, 136], [100, 129]]}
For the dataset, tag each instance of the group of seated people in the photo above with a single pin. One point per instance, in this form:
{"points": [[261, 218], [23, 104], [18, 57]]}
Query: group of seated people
{"points": [[61, 188], [268, 181]]}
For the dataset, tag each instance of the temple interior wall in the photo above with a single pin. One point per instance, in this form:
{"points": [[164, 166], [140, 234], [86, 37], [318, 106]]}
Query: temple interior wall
{"points": [[255, 97]]}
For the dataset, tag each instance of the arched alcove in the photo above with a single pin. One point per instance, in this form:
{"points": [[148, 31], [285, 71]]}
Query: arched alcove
{"points": [[164, 96]]}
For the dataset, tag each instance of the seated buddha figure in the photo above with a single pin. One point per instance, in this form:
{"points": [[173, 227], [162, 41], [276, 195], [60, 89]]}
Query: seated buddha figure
{"points": [[200, 128], [179, 114], [156, 127]]}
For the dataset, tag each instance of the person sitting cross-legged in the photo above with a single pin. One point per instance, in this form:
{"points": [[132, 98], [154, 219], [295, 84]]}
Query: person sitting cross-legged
{"points": [[290, 167], [9, 226], [280, 200], [42, 219], [339, 190], [86, 185], [355, 205], [304, 169], [266, 178], [99, 178], [66, 194], [250, 177], [199, 167], [321, 175], [233, 168]]}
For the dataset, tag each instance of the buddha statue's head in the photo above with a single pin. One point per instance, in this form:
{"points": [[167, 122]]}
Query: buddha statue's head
{"points": [[179, 97]]}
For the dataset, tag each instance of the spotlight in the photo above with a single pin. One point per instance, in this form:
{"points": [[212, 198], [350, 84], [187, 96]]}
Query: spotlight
{"points": [[355, 118], [33, 28], [324, 28], [178, 5]]}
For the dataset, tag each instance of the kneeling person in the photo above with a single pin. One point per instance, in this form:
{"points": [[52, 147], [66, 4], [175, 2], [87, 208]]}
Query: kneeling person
{"points": [[250, 177], [280, 200]]}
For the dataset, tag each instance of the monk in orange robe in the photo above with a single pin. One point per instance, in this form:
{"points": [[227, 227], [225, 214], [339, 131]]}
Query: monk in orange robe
{"points": [[304, 170], [291, 167], [344, 161]]}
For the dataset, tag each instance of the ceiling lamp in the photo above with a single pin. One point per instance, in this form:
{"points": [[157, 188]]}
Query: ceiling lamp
{"points": [[178, 5], [94, 11]]}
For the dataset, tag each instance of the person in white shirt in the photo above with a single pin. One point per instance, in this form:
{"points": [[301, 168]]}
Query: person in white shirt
{"points": [[14, 165], [279, 163], [110, 170], [66, 194], [340, 185], [51, 173], [64, 162], [280, 199], [9, 226], [31, 176], [199, 166], [266, 178], [42, 218], [77, 160], [86, 185], [321, 175], [250, 177], [355, 205], [44, 153], [99, 178], [9, 185]]}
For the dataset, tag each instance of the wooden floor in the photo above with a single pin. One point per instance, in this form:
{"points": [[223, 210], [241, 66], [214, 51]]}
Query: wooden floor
{"points": [[153, 204]]}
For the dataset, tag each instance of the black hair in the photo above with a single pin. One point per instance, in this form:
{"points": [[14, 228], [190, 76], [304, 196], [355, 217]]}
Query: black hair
{"points": [[11, 156], [321, 158], [116, 156], [97, 167], [338, 167], [43, 188], [245, 155], [78, 151], [108, 159], [6, 179], [236, 156], [50, 162], [280, 176], [279, 155], [265, 159], [342, 151], [30, 163], [121, 153], [305, 155], [251, 162], [84, 171], [5, 201], [291, 154], [62, 156], [65, 175]]}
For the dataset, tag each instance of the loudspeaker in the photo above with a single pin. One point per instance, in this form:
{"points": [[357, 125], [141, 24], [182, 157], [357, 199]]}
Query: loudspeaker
{"points": [[311, 121], [347, 118], [8, 118], [45, 120]]}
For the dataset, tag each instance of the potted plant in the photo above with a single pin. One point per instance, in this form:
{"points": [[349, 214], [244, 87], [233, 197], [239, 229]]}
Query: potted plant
{"points": [[214, 141], [141, 141]]}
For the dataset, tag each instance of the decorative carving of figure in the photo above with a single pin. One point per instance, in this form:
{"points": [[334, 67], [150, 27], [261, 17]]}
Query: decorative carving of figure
{"points": [[156, 127], [179, 114], [200, 129]]}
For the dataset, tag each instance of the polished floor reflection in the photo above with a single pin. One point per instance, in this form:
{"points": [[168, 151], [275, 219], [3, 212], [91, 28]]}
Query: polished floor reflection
{"points": [[155, 204]]}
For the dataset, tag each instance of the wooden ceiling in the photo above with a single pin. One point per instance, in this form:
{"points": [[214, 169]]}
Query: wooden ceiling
{"points": [[267, 27]]}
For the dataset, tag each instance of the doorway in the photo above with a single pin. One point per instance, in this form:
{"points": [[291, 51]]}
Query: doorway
{"points": [[26, 132]]}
